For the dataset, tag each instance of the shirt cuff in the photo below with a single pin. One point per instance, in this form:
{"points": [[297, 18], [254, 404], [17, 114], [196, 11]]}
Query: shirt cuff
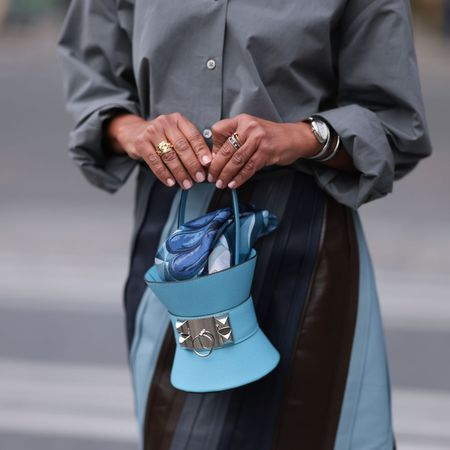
{"points": [[88, 148], [365, 140]]}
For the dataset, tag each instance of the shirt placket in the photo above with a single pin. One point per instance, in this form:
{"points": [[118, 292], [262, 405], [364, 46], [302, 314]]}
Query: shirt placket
{"points": [[212, 68]]}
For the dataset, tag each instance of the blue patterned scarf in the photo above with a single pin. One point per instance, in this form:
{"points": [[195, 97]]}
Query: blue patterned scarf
{"points": [[206, 244]]}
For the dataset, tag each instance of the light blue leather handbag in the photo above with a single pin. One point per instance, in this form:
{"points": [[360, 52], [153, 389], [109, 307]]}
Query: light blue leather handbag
{"points": [[219, 344]]}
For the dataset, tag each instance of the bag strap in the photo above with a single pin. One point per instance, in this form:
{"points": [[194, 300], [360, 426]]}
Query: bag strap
{"points": [[237, 220]]}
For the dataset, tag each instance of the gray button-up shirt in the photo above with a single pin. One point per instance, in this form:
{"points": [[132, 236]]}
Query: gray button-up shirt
{"points": [[351, 61]]}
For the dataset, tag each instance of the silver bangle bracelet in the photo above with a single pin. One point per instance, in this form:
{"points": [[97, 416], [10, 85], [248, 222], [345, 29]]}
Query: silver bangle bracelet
{"points": [[333, 152], [322, 151]]}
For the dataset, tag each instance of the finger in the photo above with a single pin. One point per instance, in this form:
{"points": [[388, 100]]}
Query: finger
{"points": [[225, 153], [236, 163], [195, 139], [145, 148], [159, 168], [249, 169], [170, 159], [177, 169], [185, 153], [220, 132], [220, 159]]}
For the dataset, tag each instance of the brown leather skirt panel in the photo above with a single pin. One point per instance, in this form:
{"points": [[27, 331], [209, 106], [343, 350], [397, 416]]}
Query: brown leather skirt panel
{"points": [[316, 384]]}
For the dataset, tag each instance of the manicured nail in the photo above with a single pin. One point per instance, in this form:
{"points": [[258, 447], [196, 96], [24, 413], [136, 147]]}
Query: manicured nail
{"points": [[210, 178], [200, 176], [206, 160], [219, 184], [232, 184], [187, 184], [170, 182]]}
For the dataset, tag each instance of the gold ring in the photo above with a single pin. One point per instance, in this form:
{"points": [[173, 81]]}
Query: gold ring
{"points": [[235, 141], [164, 147]]}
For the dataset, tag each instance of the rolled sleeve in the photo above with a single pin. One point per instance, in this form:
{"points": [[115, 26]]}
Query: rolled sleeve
{"points": [[89, 149], [95, 51], [380, 113]]}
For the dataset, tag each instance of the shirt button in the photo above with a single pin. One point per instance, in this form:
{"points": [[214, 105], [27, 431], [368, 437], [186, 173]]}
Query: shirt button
{"points": [[210, 64], [207, 133]]}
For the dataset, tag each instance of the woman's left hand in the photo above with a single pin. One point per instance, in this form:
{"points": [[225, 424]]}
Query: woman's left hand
{"points": [[263, 143]]}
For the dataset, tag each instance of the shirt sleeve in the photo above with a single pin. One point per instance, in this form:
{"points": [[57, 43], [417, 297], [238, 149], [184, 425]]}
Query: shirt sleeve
{"points": [[95, 50], [379, 113]]}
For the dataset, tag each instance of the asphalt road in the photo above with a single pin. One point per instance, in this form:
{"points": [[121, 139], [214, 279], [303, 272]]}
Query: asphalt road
{"points": [[64, 247]]}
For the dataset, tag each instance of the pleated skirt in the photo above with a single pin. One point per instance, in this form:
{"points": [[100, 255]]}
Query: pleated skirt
{"points": [[316, 300]]}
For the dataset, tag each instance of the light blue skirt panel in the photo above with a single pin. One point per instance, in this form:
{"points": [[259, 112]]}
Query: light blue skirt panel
{"points": [[365, 421]]}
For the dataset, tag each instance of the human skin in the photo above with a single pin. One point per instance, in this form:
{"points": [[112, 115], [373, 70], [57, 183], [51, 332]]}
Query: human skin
{"points": [[264, 143], [139, 138]]}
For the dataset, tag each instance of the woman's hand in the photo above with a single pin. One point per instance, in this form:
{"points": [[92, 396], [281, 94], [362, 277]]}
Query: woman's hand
{"points": [[139, 138], [264, 143]]}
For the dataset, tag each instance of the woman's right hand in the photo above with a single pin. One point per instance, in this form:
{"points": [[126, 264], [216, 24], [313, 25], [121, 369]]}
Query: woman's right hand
{"points": [[139, 138]]}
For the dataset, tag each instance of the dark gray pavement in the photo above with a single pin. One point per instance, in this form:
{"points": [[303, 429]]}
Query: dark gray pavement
{"points": [[63, 377]]}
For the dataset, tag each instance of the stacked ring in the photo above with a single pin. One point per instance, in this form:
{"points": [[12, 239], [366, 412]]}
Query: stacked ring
{"points": [[164, 147], [234, 141]]}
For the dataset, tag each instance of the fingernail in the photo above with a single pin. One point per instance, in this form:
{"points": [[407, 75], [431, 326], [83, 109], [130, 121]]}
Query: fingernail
{"points": [[219, 184], [232, 184], [206, 159], [170, 182], [200, 176], [187, 184], [210, 178]]}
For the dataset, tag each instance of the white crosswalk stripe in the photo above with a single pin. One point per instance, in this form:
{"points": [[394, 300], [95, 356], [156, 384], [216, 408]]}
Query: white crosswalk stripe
{"points": [[415, 301], [66, 400], [421, 419]]}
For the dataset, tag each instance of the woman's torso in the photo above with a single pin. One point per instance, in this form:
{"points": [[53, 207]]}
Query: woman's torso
{"points": [[212, 59]]}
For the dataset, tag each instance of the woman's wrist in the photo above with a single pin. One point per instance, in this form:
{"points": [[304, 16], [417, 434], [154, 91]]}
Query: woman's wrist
{"points": [[303, 140], [307, 145], [117, 130]]}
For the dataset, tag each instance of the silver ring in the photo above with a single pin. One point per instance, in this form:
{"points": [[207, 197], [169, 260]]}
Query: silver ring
{"points": [[235, 141], [208, 335], [333, 152]]}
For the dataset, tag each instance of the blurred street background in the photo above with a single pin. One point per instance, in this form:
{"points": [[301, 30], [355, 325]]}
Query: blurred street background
{"points": [[64, 246]]}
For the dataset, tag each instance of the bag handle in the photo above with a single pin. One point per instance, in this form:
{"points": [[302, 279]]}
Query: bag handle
{"points": [[237, 220]]}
